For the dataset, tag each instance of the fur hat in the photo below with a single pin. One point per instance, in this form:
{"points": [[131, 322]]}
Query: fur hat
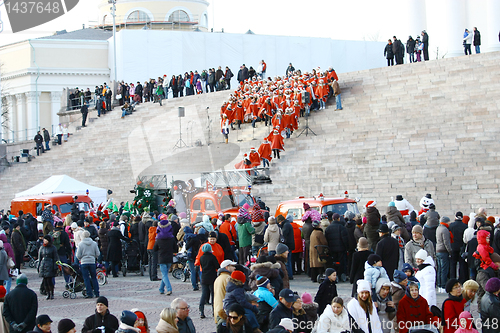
{"points": [[239, 275], [493, 285], [271, 220], [373, 258], [281, 248], [363, 285], [421, 254]]}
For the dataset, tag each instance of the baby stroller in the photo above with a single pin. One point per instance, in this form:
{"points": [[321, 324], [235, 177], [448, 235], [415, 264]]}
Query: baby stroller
{"points": [[76, 283], [31, 254], [132, 259], [325, 257], [182, 272]]}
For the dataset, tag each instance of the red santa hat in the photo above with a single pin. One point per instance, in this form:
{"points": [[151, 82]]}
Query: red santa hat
{"points": [[371, 203], [245, 155], [252, 149]]}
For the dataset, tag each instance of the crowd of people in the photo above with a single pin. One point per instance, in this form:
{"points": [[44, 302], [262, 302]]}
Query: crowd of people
{"points": [[416, 49], [279, 103], [397, 261]]}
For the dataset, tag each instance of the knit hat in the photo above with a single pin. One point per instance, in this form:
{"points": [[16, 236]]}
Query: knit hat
{"points": [[3, 292], [74, 225], [493, 285], [182, 215], [206, 248], [22, 279], [287, 324], [421, 254], [383, 229], [43, 319], [459, 215], [163, 217], [281, 248], [432, 206], [315, 224], [491, 219], [212, 234], [469, 321], [128, 318], [246, 206], [306, 206], [239, 275], [271, 220], [407, 267], [371, 203], [362, 243], [257, 215], [445, 219], [102, 300], [307, 298], [392, 204], [262, 281], [418, 229], [471, 285], [174, 217], [413, 215], [65, 325], [449, 285], [363, 285], [373, 258], [243, 213], [329, 271], [399, 276]]}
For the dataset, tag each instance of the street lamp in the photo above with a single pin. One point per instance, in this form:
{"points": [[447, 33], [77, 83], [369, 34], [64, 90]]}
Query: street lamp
{"points": [[113, 2]]}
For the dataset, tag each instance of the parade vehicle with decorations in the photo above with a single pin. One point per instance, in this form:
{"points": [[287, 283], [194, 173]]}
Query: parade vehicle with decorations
{"points": [[320, 203], [60, 202]]}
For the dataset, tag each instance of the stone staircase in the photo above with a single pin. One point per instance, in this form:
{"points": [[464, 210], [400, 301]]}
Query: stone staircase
{"points": [[413, 129]]}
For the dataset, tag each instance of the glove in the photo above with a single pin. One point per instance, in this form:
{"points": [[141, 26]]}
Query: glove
{"points": [[15, 326], [21, 326]]}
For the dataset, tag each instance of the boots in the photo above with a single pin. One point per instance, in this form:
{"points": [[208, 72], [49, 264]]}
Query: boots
{"points": [[52, 294], [227, 141], [48, 295]]}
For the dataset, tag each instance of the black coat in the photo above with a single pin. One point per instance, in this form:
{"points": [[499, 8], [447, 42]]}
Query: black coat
{"points": [[388, 250], [21, 306], [103, 242], [410, 46], [457, 229], [47, 256], [358, 268], [166, 247], [65, 249], [223, 241], [93, 232], [209, 266], [351, 226], [287, 230], [477, 38], [490, 312], [134, 232], [327, 291], [115, 245], [388, 52], [96, 320], [278, 313], [337, 237], [246, 328], [38, 139]]}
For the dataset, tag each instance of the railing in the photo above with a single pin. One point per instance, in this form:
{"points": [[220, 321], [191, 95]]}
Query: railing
{"points": [[77, 102]]}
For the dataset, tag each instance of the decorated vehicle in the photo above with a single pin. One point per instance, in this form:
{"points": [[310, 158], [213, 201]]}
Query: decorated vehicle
{"points": [[60, 202], [321, 203]]}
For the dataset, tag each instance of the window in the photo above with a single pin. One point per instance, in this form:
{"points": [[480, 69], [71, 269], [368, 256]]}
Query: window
{"points": [[296, 213], [197, 204], [204, 20], [209, 205], [341, 208], [138, 16], [66, 207], [39, 208], [178, 16]]}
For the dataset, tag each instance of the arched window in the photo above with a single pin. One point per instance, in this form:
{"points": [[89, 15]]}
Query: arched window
{"points": [[178, 16], [204, 20], [107, 19], [138, 16]]}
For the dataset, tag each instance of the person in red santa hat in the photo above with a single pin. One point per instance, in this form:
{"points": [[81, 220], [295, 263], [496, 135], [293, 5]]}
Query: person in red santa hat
{"points": [[277, 144], [254, 158], [265, 152]]}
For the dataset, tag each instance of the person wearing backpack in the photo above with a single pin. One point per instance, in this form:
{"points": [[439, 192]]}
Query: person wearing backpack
{"points": [[60, 240]]}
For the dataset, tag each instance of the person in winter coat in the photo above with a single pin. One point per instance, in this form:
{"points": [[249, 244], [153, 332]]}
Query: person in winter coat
{"points": [[426, 276], [489, 260], [452, 306], [47, 267], [114, 254], [374, 271], [310, 307], [87, 254], [335, 318], [209, 267], [20, 307], [127, 322], [358, 263], [388, 250], [245, 232], [394, 215], [287, 231], [193, 244], [266, 268], [18, 245], [4, 270], [318, 242], [327, 290], [259, 224], [372, 224], [166, 248], [300, 317], [457, 229], [388, 54], [419, 242], [362, 307], [410, 49], [281, 258], [350, 225], [432, 222], [168, 321], [297, 253], [103, 241], [227, 267], [467, 41], [398, 287], [165, 228], [152, 255], [216, 249], [386, 307], [267, 302], [235, 294], [466, 323], [236, 321], [306, 235], [413, 309], [338, 242], [443, 252], [272, 235], [490, 306], [283, 309]]}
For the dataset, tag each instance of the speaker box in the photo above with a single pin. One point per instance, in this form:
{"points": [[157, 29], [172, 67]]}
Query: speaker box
{"points": [[181, 111]]}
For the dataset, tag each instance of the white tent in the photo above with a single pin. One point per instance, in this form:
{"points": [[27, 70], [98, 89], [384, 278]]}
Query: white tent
{"points": [[66, 184]]}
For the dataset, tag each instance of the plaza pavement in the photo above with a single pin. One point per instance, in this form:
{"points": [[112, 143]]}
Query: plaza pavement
{"points": [[135, 291]]}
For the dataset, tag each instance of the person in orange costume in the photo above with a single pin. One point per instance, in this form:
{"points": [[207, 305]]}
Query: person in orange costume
{"points": [[216, 249], [254, 158], [265, 152], [277, 144]]}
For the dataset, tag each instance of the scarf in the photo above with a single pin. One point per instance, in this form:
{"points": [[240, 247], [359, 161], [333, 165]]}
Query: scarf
{"points": [[236, 328], [447, 227]]}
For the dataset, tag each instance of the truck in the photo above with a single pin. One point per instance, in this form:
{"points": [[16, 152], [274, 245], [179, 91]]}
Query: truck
{"points": [[60, 202]]}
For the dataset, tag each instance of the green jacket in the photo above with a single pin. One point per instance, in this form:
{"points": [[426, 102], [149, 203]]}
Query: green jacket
{"points": [[245, 232]]}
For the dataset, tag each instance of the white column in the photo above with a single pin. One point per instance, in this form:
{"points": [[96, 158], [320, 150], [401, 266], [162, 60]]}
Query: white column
{"points": [[11, 127], [21, 117], [33, 121], [55, 98], [455, 24], [489, 38], [417, 18]]}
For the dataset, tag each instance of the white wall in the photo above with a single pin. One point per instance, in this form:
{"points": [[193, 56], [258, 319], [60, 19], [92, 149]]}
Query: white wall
{"points": [[143, 54]]}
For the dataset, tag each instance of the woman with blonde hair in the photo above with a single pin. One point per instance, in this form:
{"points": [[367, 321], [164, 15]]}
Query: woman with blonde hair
{"points": [[67, 221], [168, 321], [363, 310]]}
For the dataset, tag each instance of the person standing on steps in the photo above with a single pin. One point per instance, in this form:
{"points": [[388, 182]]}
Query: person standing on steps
{"points": [[225, 127], [410, 49], [336, 92], [389, 55], [398, 50], [46, 138], [227, 77], [477, 40], [467, 42], [84, 110], [425, 41], [39, 143]]}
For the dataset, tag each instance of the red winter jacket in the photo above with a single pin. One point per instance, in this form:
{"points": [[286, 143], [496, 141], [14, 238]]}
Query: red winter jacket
{"points": [[484, 250], [412, 311], [452, 308], [297, 237]]}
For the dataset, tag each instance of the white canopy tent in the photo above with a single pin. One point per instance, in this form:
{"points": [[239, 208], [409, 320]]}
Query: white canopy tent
{"points": [[66, 184]]}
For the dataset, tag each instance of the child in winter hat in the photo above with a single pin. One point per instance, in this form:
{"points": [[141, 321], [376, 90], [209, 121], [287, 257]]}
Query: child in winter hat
{"points": [[465, 323]]}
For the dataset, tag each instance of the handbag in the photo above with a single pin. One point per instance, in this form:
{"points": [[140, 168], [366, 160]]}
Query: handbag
{"points": [[10, 263], [119, 96]]}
